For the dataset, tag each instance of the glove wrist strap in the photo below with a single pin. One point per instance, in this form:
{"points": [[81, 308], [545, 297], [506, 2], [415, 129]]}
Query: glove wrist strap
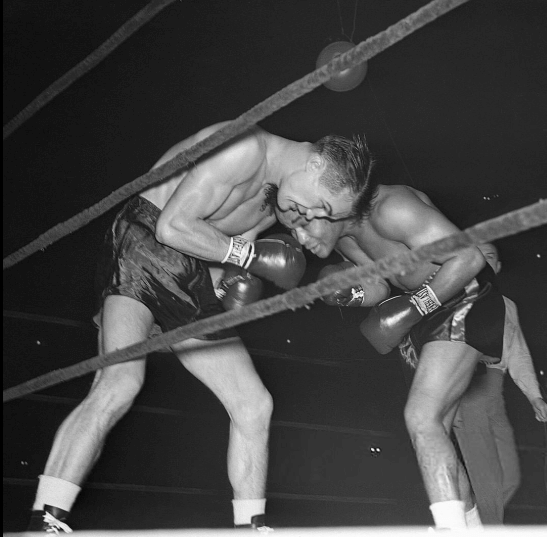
{"points": [[225, 284], [220, 292], [425, 300], [240, 252], [357, 296]]}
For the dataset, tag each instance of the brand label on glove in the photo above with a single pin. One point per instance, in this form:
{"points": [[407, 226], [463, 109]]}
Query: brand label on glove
{"points": [[240, 252], [425, 300]]}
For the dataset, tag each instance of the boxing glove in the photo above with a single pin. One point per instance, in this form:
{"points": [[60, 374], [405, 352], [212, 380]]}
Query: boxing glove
{"points": [[391, 320], [349, 296], [238, 288], [278, 258]]}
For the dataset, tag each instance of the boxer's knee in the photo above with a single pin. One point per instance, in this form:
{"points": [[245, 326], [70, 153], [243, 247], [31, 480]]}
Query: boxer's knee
{"points": [[113, 393], [254, 412], [420, 419]]}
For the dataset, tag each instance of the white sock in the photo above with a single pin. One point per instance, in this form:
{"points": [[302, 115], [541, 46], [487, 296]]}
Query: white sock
{"points": [[244, 510], [449, 514], [55, 492], [472, 518]]}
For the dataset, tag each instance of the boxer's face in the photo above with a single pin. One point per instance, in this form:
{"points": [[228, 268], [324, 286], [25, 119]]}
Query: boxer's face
{"points": [[303, 195], [319, 235]]}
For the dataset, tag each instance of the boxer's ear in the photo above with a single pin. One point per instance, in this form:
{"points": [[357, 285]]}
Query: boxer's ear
{"points": [[316, 163]]}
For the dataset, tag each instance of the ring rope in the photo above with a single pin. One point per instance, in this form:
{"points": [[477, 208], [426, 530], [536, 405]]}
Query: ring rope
{"points": [[360, 53], [133, 487], [46, 319], [511, 223], [88, 63], [255, 351], [212, 416]]}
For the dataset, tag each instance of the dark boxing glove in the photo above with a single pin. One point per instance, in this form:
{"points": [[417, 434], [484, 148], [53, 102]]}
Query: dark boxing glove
{"points": [[278, 258], [391, 320], [238, 288], [350, 296]]}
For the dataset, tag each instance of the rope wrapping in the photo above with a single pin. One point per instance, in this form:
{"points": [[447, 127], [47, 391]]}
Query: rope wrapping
{"points": [[508, 224], [88, 63], [360, 53]]}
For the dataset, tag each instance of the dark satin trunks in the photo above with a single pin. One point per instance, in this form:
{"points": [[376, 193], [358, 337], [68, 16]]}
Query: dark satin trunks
{"points": [[176, 287], [476, 316]]}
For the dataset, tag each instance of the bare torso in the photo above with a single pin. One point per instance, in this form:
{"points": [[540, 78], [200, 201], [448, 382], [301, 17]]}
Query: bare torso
{"points": [[246, 209], [373, 238]]}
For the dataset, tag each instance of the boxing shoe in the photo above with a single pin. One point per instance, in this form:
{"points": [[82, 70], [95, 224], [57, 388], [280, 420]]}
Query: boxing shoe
{"points": [[50, 520], [258, 523]]}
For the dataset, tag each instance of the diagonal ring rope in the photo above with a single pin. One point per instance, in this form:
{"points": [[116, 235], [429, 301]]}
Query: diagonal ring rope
{"points": [[358, 54], [97, 56], [508, 224]]}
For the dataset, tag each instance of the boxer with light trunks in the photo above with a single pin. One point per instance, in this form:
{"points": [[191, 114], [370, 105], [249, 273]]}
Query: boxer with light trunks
{"points": [[448, 316]]}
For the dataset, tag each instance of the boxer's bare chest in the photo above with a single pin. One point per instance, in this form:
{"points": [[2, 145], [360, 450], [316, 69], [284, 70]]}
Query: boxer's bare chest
{"points": [[250, 208], [376, 247]]}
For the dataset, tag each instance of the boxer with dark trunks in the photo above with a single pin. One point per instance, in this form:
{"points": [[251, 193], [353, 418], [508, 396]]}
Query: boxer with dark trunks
{"points": [[175, 287], [154, 273], [448, 316]]}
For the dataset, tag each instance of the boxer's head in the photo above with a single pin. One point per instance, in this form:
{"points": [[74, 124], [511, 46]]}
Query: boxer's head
{"points": [[319, 235], [334, 183]]}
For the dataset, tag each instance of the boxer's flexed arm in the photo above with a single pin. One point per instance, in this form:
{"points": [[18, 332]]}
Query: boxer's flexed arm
{"points": [[374, 289], [403, 217], [212, 188], [218, 201]]}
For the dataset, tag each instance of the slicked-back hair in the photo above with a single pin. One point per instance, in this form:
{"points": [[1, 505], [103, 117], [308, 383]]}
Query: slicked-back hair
{"points": [[348, 166]]}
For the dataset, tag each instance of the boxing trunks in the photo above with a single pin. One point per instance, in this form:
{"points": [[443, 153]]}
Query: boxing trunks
{"points": [[175, 287], [475, 316]]}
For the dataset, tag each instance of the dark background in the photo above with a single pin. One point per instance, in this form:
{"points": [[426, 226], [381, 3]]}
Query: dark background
{"points": [[457, 109]]}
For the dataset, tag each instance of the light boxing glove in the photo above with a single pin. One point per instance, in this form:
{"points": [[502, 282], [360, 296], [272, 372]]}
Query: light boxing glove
{"points": [[391, 320], [238, 288], [278, 258], [350, 296]]}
